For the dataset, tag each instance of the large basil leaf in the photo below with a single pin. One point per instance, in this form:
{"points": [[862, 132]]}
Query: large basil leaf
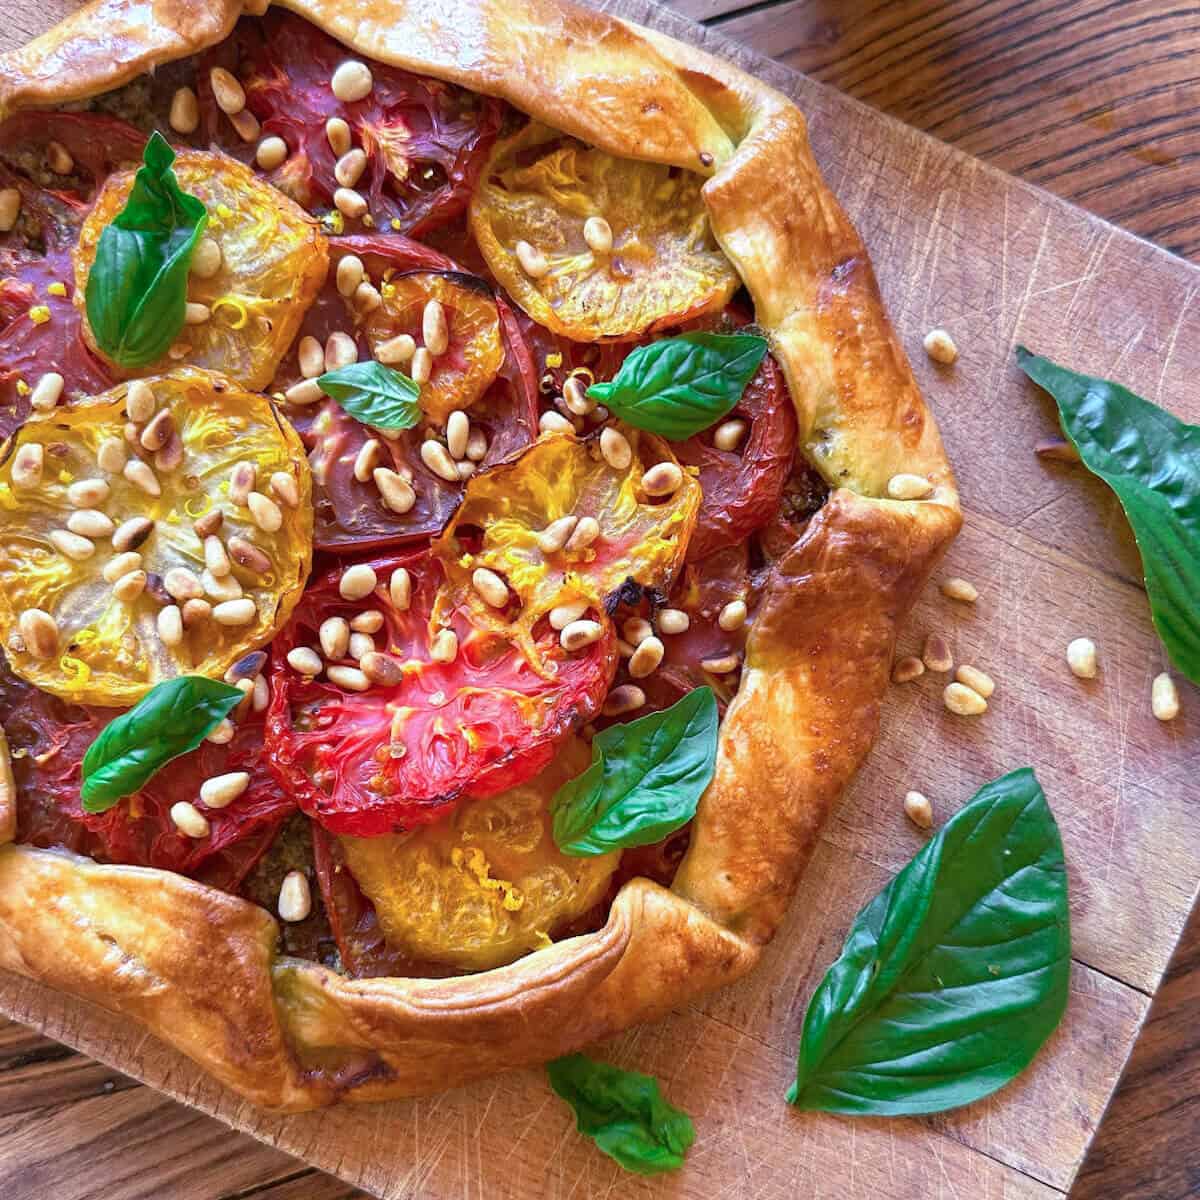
{"points": [[624, 1113], [374, 394], [172, 718], [1152, 461], [645, 779], [954, 975], [681, 385], [137, 288]]}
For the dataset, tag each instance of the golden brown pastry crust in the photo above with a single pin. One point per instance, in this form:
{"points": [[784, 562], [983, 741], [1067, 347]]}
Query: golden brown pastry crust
{"points": [[293, 1035]]}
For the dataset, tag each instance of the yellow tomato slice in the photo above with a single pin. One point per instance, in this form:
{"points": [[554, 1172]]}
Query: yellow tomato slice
{"points": [[273, 262], [467, 367], [664, 267], [487, 885], [63, 528]]}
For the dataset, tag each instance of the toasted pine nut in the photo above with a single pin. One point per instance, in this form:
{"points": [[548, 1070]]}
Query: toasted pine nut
{"points": [[170, 454], [422, 365], [490, 586], [575, 396], [334, 636], [909, 487], [562, 615], [340, 350], [158, 430], [225, 588], [552, 422], [554, 537], [360, 644], [357, 582], [732, 616], [370, 620], [435, 332], [28, 464], [90, 522], [220, 791], [311, 356], [184, 116], [131, 534], [645, 659], [458, 433], [477, 445], [295, 898], [939, 345], [1081, 658], [130, 586], [615, 448], [977, 680], [907, 669], [10, 208], [121, 564], [348, 171], [400, 589], [266, 513], [936, 653], [285, 489], [47, 392], [963, 701], [170, 625], [350, 678], [435, 456], [1164, 697], [533, 261], [246, 667], [350, 270], [216, 557], [597, 232], [352, 81], [728, 435], [636, 630], [959, 589], [586, 532], [188, 819], [367, 459], [673, 621], [142, 476], [140, 403], [624, 699], [445, 647], [721, 666], [381, 668], [579, 634], [397, 493], [228, 93], [337, 134], [306, 661], [396, 350], [260, 698], [246, 554], [271, 153], [918, 810], [182, 584], [206, 259], [307, 391], [349, 203], [110, 455], [39, 631], [72, 545], [235, 612], [663, 479], [58, 159]]}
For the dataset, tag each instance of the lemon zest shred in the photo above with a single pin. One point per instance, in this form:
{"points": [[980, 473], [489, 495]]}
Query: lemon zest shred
{"points": [[242, 314], [23, 389]]}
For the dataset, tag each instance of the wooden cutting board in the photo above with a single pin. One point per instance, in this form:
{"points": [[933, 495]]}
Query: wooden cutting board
{"points": [[958, 244]]}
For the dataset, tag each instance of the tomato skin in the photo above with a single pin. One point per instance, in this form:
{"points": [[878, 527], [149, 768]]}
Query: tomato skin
{"points": [[473, 727]]}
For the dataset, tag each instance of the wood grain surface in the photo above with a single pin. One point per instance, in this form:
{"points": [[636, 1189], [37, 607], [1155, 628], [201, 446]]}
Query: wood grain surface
{"points": [[955, 244]]}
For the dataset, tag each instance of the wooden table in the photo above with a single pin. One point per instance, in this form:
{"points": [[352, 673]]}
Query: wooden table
{"points": [[1092, 100]]}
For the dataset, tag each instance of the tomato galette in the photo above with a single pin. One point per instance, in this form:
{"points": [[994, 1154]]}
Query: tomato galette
{"points": [[459, 491]]}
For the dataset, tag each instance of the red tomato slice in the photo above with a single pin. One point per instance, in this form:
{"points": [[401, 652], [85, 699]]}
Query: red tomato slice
{"points": [[393, 757], [48, 740], [426, 141], [350, 514]]}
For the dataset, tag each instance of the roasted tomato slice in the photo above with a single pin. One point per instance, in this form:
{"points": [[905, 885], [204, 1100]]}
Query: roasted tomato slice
{"points": [[71, 511], [48, 740], [804, 493], [273, 261], [487, 885], [350, 513], [467, 714], [425, 141], [664, 267]]}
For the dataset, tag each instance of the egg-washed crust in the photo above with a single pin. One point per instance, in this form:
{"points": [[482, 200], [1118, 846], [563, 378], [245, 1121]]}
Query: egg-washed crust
{"points": [[293, 1035]]}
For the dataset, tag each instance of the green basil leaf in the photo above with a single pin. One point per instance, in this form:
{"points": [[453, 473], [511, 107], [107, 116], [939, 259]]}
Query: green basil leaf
{"points": [[173, 717], [374, 394], [954, 975], [1152, 461], [624, 1113], [678, 386], [644, 782], [137, 288]]}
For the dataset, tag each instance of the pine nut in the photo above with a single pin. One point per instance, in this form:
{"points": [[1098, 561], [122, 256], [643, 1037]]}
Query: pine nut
{"points": [[977, 680], [458, 431], [90, 522], [615, 448], [397, 494], [352, 81], [1164, 697], [435, 332], [723, 665], [140, 404], [360, 644], [246, 554], [170, 455], [246, 667], [907, 669], [381, 668], [1081, 658], [673, 621], [368, 621], [206, 259], [936, 653], [228, 93], [624, 699], [184, 116], [246, 125], [130, 586], [586, 532], [131, 534], [120, 565], [305, 661], [579, 634], [266, 514], [261, 696], [28, 464], [216, 559], [189, 820], [271, 153], [39, 631], [340, 350], [732, 616], [337, 134], [235, 612], [367, 459], [357, 582], [490, 586], [436, 458], [575, 397], [142, 477], [295, 898], [636, 630], [225, 588], [110, 455], [285, 489], [307, 391], [445, 647], [477, 445], [195, 611], [597, 232], [334, 636], [311, 356], [533, 261], [554, 537], [367, 297], [158, 431], [728, 435], [58, 159], [963, 701], [10, 208], [400, 589], [222, 735], [220, 791], [939, 345], [72, 545], [918, 810], [909, 487], [552, 422], [350, 270], [959, 589], [663, 479], [47, 392], [349, 203], [422, 365], [645, 659], [348, 171], [396, 350], [562, 615], [170, 625]]}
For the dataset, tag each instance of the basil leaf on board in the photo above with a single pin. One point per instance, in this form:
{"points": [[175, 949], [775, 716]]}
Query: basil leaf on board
{"points": [[137, 288], [645, 779], [1152, 461], [679, 386], [954, 975], [374, 394], [173, 717], [624, 1113]]}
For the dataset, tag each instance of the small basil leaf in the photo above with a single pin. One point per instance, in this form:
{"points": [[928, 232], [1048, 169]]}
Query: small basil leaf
{"points": [[644, 782], [137, 288], [172, 718], [374, 394], [624, 1113], [954, 975], [681, 385], [1152, 461]]}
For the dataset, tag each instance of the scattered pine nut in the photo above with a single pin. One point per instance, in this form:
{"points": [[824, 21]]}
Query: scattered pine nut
{"points": [[936, 653], [337, 134], [228, 93], [732, 616], [184, 116], [597, 232], [533, 261], [422, 365], [554, 537], [646, 658], [140, 403], [918, 810], [445, 647], [142, 476], [350, 678], [396, 350], [624, 699], [490, 587], [183, 584], [955, 588], [615, 448], [271, 153], [220, 791], [306, 661], [907, 669], [189, 820], [963, 701], [352, 81], [235, 612], [458, 431], [72, 545], [47, 392], [206, 259], [348, 171], [397, 493], [587, 530], [400, 589], [28, 465], [367, 459], [307, 391], [435, 456], [1164, 697], [58, 159], [349, 203], [1081, 658], [295, 898], [663, 479], [285, 489], [582, 633], [909, 487], [939, 345], [561, 615], [350, 272], [977, 680], [673, 621], [552, 422], [334, 636], [170, 625], [728, 434], [357, 582], [266, 514], [39, 631], [435, 333]]}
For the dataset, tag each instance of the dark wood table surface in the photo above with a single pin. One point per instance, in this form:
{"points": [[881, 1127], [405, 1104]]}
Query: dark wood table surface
{"points": [[1096, 100]]}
